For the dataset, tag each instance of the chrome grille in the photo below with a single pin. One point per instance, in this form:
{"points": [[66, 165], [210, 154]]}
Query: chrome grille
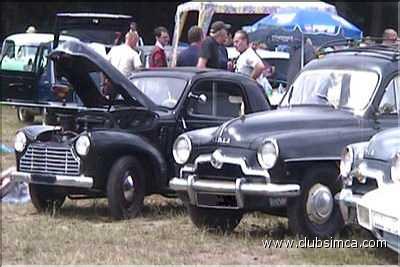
{"points": [[227, 172], [50, 160]]}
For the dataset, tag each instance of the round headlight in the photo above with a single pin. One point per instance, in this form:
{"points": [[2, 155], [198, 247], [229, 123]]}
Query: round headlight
{"points": [[82, 145], [181, 149], [346, 163], [395, 169], [268, 153], [20, 142]]}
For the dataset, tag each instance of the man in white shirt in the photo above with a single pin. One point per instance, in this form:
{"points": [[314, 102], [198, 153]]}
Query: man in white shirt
{"points": [[124, 57], [248, 62]]}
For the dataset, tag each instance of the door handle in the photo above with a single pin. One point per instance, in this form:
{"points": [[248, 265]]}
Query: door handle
{"points": [[15, 84]]}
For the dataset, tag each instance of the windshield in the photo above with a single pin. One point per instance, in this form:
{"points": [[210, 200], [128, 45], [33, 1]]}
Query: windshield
{"points": [[338, 88], [163, 91]]}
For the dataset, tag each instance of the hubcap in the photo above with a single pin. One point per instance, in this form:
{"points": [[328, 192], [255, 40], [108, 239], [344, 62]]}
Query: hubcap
{"points": [[319, 204], [128, 187]]}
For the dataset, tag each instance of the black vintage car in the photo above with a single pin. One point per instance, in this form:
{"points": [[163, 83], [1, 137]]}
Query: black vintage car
{"points": [[370, 172], [286, 161], [121, 146]]}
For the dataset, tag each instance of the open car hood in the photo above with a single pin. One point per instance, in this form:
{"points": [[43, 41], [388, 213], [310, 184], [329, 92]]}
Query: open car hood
{"points": [[76, 61], [91, 27]]}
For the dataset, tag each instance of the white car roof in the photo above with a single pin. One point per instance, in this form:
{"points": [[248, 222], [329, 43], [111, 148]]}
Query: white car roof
{"points": [[35, 38], [264, 54]]}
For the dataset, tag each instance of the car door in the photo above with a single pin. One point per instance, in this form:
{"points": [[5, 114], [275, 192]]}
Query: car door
{"points": [[212, 102], [389, 107], [18, 77]]}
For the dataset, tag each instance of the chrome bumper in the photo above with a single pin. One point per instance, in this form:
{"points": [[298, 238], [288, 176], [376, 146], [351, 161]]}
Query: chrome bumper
{"points": [[347, 203], [58, 180], [239, 188]]}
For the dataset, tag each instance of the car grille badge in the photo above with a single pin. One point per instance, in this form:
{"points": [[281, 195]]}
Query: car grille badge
{"points": [[217, 159]]}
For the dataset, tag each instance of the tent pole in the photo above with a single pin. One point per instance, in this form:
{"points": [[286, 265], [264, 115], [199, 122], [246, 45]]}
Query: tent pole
{"points": [[302, 50]]}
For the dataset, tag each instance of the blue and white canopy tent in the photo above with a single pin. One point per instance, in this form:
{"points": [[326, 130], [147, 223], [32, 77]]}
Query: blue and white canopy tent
{"points": [[297, 24]]}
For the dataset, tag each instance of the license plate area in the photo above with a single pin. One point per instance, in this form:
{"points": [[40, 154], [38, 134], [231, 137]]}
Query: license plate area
{"points": [[385, 223], [48, 179], [220, 201]]}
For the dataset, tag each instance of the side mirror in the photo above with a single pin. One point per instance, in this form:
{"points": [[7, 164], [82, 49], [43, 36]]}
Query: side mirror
{"points": [[200, 98], [61, 91]]}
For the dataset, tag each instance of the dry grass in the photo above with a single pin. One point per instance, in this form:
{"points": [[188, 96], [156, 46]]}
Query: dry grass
{"points": [[82, 233]]}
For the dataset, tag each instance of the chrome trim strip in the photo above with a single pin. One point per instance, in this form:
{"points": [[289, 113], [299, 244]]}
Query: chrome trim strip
{"points": [[239, 188], [60, 180], [312, 159]]}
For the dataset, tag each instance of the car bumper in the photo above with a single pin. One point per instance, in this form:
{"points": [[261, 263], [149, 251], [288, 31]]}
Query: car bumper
{"points": [[55, 180], [347, 202], [239, 188]]}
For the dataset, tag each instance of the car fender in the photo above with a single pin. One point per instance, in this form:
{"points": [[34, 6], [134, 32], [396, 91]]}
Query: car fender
{"points": [[111, 145], [318, 144]]}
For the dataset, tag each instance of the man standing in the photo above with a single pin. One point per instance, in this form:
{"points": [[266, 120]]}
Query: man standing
{"points": [[124, 57], [158, 59], [210, 55], [134, 29], [248, 62], [190, 55]]}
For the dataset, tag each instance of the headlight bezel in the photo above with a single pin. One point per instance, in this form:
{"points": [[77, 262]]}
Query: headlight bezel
{"points": [[85, 141], [260, 157], [22, 141], [395, 168], [177, 157]]}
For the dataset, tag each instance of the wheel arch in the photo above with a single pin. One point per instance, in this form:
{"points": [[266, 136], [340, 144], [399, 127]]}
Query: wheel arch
{"points": [[111, 148]]}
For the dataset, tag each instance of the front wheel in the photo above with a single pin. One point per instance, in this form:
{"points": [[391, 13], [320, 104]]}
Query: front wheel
{"points": [[45, 199], [314, 213], [214, 219], [126, 188]]}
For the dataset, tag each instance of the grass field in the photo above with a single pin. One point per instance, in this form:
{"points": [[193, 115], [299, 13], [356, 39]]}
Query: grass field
{"points": [[82, 233]]}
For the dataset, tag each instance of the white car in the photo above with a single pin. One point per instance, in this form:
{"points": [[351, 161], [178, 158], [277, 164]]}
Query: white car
{"points": [[378, 211], [370, 172]]}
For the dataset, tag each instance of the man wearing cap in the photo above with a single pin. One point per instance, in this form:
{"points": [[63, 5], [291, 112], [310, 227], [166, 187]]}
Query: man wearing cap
{"points": [[210, 55]]}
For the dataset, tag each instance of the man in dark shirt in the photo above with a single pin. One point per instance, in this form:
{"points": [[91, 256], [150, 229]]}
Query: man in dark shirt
{"points": [[190, 55], [210, 54]]}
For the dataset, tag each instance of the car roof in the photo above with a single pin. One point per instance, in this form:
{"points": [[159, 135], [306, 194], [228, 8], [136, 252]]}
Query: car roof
{"points": [[389, 52], [354, 60], [190, 73], [34, 38], [181, 72]]}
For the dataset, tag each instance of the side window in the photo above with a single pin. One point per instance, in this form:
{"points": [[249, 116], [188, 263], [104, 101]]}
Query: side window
{"points": [[18, 58], [223, 99], [389, 104]]}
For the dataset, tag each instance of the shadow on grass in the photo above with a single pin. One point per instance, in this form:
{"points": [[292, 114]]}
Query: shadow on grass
{"points": [[167, 210], [99, 212]]}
